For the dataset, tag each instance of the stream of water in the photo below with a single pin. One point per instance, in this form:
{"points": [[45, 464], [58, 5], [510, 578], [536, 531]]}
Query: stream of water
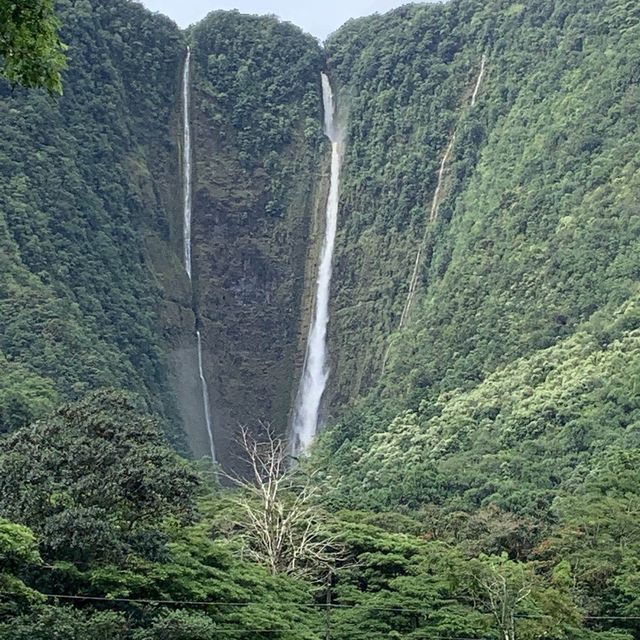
{"points": [[186, 181], [316, 372]]}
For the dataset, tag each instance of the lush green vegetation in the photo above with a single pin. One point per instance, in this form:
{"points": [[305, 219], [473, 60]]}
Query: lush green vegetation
{"points": [[521, 350], [31, 50], [81, 188], [511, 393], [482, 479], [116, 536]]}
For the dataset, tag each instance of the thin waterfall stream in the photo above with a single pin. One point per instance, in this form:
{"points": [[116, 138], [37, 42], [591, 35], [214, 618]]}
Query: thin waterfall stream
{"points": [[187, 186], [316, 372], [186, 162]]}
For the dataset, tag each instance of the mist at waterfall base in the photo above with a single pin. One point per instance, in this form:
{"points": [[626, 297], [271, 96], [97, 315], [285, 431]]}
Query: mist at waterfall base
{"points": [[187, 187], [315, 374]]}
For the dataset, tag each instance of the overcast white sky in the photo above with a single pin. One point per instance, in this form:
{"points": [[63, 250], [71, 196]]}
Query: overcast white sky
{"points": [[318, 18]]}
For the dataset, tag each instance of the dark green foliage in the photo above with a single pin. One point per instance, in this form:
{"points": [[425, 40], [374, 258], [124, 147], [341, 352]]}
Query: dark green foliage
{"points": [[102, 468], [31, 50], [80, 194], [257, 80], [93, 481]]}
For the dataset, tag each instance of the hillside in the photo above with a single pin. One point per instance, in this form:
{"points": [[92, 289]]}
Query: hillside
{"points": [[85, 199], [477, 473], [533, 240]]}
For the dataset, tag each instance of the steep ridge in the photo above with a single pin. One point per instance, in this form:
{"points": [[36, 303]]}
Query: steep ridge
{"points": [[87, 203], [474, 228], [536, 240]]}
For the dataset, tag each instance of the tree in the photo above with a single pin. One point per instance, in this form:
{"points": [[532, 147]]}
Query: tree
{"points": [[278, 518], [18, 550], [95, 481], [30, 44], [505, 591]]}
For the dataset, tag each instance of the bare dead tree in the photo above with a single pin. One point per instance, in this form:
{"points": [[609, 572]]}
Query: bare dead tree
{"points": [[278, 519], [504, 592]]}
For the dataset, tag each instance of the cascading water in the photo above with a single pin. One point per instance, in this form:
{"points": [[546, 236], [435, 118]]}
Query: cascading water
{"points": [[186, 162], [435, 203], [186, 181], [315, 374], [205, 397]]}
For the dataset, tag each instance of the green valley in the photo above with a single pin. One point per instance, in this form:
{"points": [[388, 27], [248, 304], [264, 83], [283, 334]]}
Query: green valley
{"points": [[471, 347]]}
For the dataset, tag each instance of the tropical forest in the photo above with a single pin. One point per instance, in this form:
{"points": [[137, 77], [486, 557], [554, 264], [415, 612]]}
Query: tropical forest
{"points": [[307, 340]]}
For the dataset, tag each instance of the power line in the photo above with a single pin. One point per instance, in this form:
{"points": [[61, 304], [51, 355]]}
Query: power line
{"points": [[212, 603], [318, 605]]}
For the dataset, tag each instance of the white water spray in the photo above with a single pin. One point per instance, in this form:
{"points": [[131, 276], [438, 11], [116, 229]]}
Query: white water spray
{"points": [[186, 181], [316, 372], [186, 162]]}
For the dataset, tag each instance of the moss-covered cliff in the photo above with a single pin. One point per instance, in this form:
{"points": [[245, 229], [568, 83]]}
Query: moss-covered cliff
{"points": [[258, 152]]}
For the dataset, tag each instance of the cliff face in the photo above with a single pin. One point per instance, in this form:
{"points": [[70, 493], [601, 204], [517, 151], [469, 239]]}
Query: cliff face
{"points": [[258, 152], [92, 220], [448, 132]]}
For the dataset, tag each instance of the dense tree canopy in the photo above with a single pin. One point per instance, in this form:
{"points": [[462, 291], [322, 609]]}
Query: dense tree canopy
{"points": [[479, 478], [30, 48]]}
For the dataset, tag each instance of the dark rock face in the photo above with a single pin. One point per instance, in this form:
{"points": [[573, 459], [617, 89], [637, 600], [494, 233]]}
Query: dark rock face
{"points": [[254, 202]]}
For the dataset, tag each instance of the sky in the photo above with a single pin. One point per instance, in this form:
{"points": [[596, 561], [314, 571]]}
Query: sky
{"points": [[318, 18]]}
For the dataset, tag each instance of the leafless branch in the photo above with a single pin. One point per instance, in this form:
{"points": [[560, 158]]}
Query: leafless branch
{"points": [[279, 521]]}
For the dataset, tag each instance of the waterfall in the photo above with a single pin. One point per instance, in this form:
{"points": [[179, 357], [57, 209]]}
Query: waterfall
{"points": [[186, 163], [316, 373], [433, 215], [186, 182], [205, 397], [483, 66], [435, 204]]}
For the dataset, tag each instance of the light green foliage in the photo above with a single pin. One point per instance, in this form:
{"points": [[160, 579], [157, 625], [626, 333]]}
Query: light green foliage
{"points": [[18, 552], [31, 50], [519, 437]]}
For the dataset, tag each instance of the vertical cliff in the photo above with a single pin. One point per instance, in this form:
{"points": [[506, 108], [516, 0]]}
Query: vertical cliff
{"points": [[258, 155]]}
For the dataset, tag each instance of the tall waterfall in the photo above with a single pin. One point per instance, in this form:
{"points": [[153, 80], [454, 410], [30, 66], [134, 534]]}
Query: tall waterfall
{"points": [[186, 181], [316, 373], [186, 162]]}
